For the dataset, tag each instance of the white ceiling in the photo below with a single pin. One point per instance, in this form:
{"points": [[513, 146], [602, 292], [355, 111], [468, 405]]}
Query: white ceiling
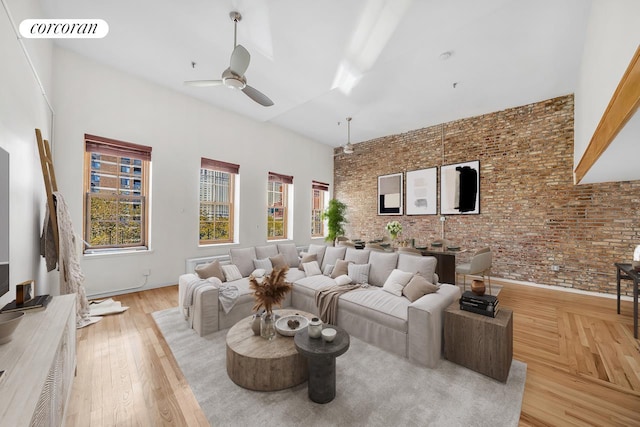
{"points": [[505, 53]]}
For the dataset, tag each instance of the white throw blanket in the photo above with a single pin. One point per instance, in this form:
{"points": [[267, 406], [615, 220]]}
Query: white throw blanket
{"points": [[227, 294]]}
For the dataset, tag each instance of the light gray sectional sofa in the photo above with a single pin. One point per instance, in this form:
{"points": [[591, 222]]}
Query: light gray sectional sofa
{"points": [[391, 322]]}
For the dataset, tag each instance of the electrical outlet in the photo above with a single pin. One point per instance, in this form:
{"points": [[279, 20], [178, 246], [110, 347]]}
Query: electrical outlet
{"points": [[443, 218], [146, 272], [555, 268]]}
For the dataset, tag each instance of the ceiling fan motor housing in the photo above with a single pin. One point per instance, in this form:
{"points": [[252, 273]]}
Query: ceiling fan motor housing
{"points": [[232, 80]]}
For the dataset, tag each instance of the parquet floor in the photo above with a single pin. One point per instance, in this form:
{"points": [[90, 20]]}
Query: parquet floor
{"points": [[583, 363]]}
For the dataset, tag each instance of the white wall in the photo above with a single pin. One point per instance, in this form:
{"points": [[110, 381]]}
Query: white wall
{"points": [[22, 109], [613, 35], [92, 98]]}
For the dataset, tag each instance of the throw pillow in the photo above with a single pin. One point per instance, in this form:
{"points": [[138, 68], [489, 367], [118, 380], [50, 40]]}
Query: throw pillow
{"points": [[359, 273], [311, 268], [267, 251], [278, 261], [308, 258], [243, 258], [318, 250], [264, 264], [398, 277], [342, 267], [343, 280], [418, 287], [328, 269], [258, 272], [231, 272], [213, 269], [393, 288], [290, 253]]}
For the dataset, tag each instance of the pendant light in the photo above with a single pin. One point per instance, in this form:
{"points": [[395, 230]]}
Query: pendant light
{"points": [[348, 148]]}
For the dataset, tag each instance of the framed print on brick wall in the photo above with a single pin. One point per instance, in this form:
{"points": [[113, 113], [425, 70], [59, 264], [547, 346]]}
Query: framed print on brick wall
{"points": [[390, 194], [460, 188], [422, 192]]}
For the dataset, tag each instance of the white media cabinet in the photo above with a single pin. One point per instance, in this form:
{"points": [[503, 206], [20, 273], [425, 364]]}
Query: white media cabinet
{"points": [[39, 364]]}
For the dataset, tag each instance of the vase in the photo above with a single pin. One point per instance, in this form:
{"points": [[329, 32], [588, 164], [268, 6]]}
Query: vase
{"points": [[315, 328], [255, 323], [268, 326], [477, 287]]}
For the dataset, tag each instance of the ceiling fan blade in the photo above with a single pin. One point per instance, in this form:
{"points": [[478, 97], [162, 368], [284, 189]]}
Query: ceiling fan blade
{"points": [[239, 60], [257, 96], [203, 83]]}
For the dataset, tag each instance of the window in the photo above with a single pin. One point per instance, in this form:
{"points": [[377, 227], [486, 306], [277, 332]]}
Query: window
{"points": [[217, 181], [318, 193], [116, 194], [277, 209]]}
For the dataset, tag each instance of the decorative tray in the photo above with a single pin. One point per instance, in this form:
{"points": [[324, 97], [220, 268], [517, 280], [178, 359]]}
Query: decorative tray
{"points": [[284, 328]]}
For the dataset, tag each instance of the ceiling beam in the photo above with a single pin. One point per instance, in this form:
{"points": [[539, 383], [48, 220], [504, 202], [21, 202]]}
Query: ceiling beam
{"points": [[621, 108]]}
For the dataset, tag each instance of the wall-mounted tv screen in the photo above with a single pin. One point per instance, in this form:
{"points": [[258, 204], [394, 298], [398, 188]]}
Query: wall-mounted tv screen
{"points": [[4, 222]]}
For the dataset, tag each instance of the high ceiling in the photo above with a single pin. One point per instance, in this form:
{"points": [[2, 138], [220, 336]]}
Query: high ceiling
{"points": [[504, 53]]}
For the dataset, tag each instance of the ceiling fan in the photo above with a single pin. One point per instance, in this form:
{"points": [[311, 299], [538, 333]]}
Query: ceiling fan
{"points": [[233, 77]]}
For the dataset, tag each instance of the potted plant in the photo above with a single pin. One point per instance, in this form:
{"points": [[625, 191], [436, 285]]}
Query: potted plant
{"points": [[335, 216]]}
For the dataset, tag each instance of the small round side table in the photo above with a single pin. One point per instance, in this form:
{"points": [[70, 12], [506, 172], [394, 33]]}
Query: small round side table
{"points": [[321, 357]]}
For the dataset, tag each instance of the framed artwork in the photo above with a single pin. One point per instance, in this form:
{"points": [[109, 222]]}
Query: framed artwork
{"points": [[422, 192], [460, 188], [390, 194]]}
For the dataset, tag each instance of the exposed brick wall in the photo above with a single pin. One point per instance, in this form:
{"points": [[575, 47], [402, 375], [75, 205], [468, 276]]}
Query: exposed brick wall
{"points": [[532, 215]]}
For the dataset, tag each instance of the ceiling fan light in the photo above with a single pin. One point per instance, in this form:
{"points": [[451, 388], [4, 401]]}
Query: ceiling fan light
{"points": [[233, 83]]}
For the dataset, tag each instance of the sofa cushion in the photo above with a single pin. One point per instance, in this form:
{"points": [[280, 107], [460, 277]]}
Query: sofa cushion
{"points": [[341, 267], [358, 256], [308, 286], [332, 254], [231, 272], [418, 287], [294, 275], [311, 268], [318, 250], [278, 261], [266, 251], [396, 282], [377, 306], [264, 264], [305, 257], [290, 253], [425, 265], [243, 258], [328, 269], [382, 264], [359, 273], [212, 269]]}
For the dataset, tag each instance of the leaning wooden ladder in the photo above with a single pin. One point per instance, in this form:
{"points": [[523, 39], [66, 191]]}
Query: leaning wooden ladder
{"points": [[46, 161]]}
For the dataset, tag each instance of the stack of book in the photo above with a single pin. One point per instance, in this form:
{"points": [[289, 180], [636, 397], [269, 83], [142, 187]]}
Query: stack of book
{"points": [[487, 305]]}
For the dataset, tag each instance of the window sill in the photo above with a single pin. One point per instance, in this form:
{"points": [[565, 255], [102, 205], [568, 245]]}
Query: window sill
{"points": [[117, 253], [217, 245]]}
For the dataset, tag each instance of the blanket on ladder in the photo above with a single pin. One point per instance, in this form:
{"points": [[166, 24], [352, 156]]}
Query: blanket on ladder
{"points": [[327, 301]]}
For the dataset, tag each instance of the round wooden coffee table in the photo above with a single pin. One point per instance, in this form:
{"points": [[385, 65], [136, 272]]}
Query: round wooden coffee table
{"points": [[259, 364]]}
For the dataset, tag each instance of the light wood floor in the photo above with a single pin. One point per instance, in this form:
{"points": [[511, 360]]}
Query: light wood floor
{"points": [[583, 363]]}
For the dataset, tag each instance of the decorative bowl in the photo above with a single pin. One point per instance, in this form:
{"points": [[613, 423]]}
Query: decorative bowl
{"points": [[285, 328], [329, 334], [453, 248], [385, 245], [421, 248], [8, 324], [436, 244]]}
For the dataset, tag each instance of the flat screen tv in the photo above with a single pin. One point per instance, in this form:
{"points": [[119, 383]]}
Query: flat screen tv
{"points": [[4, 222]]}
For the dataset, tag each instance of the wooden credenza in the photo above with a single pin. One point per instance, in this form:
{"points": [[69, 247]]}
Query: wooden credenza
{"points": [[40, 363]]}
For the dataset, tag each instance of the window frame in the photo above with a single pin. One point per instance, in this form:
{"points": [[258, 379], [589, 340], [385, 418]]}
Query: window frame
{"points": [[284, 181], [233, 171], [119, 149], [323, 190]]}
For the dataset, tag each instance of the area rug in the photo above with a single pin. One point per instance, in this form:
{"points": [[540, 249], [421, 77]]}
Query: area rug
{"points": [[373, 388]]}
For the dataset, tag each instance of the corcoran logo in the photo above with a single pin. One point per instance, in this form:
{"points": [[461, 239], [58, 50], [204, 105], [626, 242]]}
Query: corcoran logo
{"points": [[64, 28]]}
